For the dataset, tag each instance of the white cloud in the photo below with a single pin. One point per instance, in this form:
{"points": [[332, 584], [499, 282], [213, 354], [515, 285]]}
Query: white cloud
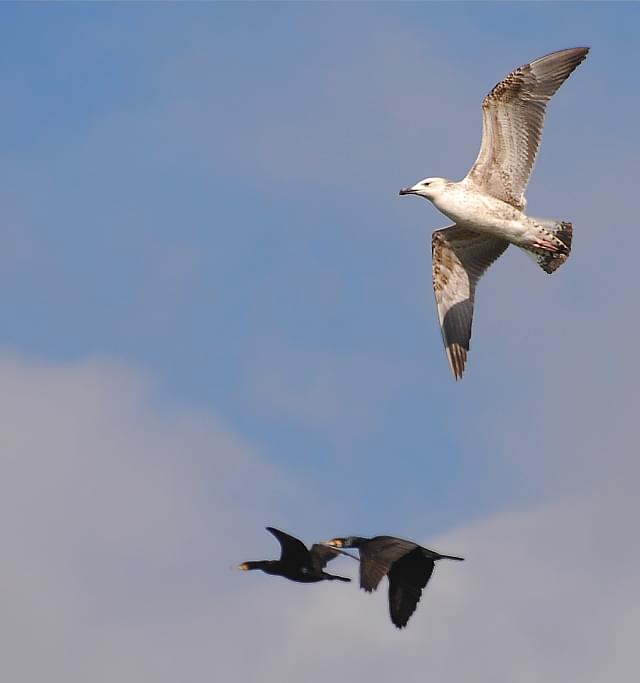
{"points": [[118, 512], [121, 514]]}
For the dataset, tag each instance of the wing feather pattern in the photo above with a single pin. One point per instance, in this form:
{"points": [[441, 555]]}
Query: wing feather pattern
{"points": [[460, 257], [512, 120], [377, 556]]}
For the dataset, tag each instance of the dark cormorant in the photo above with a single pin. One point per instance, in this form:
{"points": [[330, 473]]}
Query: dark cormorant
{"points": [[296, 562], [408, 565]]}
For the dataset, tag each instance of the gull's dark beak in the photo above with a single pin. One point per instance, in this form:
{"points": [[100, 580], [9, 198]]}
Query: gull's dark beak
{"points": [[406, 190]]}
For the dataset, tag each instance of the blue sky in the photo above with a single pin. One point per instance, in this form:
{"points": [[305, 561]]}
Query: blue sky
{"points": [[202, 200]]}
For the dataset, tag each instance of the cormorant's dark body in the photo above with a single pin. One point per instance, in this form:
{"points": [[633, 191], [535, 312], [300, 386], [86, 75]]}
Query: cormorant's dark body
{"points": [[408, 566], [297, 563]]}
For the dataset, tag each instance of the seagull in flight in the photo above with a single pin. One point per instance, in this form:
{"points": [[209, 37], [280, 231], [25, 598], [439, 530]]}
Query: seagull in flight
{"points": [[487, 207]]}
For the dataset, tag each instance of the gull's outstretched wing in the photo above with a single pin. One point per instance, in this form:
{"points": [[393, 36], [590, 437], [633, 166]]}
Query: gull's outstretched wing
{"points": [[460, 257], [512, 121]]}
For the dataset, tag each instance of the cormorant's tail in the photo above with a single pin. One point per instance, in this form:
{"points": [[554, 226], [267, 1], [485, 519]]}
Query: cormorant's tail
{"points": [[450, 557], [553, 246], [334, 577]]}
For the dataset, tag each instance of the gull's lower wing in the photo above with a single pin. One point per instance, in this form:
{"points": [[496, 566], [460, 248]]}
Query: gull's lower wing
{"points": [[460, 257]]}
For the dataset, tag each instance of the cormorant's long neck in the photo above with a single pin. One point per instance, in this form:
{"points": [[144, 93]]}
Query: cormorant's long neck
{"points": [[357, 541], [264, 565]]}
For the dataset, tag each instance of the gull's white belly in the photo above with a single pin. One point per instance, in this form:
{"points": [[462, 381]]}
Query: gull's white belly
{"points": [[481, 212]]}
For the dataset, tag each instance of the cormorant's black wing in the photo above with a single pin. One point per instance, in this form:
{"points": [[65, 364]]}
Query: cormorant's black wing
{"points": [[321, 554], [377, 555], [407, 577], [293, 550]]}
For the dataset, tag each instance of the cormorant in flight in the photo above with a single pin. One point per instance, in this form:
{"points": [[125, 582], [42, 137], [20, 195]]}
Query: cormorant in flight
{"points": [[296, 562], [408, 565]]}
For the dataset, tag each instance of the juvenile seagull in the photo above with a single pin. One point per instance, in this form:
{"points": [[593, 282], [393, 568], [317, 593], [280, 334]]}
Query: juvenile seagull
{"points": [[487, 206], [407, 565]]}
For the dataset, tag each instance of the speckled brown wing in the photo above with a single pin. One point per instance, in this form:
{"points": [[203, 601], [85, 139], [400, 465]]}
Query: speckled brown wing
{"points": [[460, 257], [512, 120], [377, 556]]}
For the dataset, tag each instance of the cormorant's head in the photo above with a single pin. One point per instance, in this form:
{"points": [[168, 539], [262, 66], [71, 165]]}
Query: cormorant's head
{"points": [[346, 542], [429, 188], [247, 566]]}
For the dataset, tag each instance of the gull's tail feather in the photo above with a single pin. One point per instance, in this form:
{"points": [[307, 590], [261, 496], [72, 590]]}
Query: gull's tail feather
{"points": [[552, 246]]}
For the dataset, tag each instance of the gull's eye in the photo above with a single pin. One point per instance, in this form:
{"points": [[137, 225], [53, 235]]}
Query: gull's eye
{"points": [[425, 184]]}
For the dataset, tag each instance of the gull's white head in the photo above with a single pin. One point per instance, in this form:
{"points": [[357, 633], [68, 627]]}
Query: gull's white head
{"points": [[429, 188]]}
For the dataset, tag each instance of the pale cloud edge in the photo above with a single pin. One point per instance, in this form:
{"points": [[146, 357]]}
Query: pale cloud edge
{"points": [[122, 514]]}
